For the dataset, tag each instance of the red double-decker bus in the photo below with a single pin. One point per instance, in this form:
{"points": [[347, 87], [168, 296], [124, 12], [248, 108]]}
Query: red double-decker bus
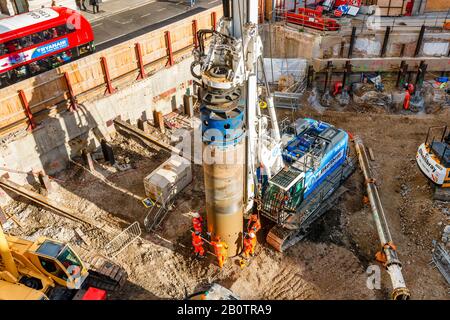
{"points": [[40, 40]]}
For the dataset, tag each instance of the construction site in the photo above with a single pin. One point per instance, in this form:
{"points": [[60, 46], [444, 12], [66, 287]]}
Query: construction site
{"points": [[254, 150]]}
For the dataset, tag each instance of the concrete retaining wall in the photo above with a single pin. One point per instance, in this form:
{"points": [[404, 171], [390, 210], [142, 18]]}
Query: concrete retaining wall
{"points": [[50, 145], [290, 43]]}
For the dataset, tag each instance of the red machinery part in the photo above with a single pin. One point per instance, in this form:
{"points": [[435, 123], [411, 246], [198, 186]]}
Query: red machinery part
{"points": [[94, 294], [312, 19]]}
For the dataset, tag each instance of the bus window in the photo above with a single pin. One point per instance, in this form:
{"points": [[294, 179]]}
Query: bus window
{"points": [[26, 41], [62, 30], [3, 50], [20, 73], [36, 68], [37, 38], [12, 46], [64, 57], [47, 35]]}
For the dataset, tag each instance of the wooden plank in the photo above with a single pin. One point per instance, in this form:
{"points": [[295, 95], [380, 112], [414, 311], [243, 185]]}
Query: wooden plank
{"points": [[371, 155], [3, 217], [82, 236]]}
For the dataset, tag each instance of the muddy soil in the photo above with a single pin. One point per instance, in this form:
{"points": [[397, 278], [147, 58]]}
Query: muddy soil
{"points": [[330, 264]]}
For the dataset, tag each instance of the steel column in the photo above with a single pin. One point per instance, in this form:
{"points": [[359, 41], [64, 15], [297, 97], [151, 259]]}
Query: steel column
{"points": [[72, 97], [420, 77], [385, 41], [401, 74], [194, 32], [170, 62], [310, 77], [347, 71], [419, 41], [27, 109], [109, 87], [142, 74], [352, 42], [328, 75], [213, 20]]}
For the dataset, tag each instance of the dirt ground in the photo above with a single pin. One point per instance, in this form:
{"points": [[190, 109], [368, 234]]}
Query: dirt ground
{"points": [[330, 264]]}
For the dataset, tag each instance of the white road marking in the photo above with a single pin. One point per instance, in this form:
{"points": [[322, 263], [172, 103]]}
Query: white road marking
{"points": [[97, 25], [211, 2], [146, 15], [123, 22], [162, 9]]}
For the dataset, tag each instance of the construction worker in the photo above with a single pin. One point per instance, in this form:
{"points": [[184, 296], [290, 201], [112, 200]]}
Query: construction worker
{"points": [[407, 99], [197, 222], [337, 88], [197, 242], [249, 244], [254, 223], [221, 251]]}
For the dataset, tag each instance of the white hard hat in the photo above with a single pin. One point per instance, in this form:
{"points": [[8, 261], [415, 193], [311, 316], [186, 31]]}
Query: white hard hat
{"points": [[252, 235], [196, 215]]}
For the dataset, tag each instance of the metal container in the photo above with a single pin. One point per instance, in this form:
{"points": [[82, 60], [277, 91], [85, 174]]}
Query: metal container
{"points": [[168, 179]]}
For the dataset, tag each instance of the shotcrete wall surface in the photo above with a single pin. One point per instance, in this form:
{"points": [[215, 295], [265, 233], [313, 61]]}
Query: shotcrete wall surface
{"points": [[50, 146], [288, 42]]}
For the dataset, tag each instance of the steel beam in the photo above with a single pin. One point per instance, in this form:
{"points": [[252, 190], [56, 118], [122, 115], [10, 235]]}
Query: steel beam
{"points": [[194, 32], [352, 42], [45, 202], [147, 137], [347, 71], [140, 61], [170, 61], [72, 97], [419, 41], [401, 72], [213, 20], [27, 109], [328, 75], [385, 41], [421, 71], [109, 87]]}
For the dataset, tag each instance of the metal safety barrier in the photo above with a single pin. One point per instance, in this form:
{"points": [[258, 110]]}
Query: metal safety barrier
{"points": [[123, 240], [157, 213], [441, 260]]}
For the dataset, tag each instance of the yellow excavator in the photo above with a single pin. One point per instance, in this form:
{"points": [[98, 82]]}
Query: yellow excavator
{"points": [[46, 269], [433, 159]]}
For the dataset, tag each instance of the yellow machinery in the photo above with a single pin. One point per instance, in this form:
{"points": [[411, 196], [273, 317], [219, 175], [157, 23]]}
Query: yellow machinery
{"points": [[433, 159], [14, 291], [47, 267]]}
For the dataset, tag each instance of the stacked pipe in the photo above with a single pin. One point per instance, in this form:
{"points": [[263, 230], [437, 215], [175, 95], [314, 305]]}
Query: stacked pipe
{"points": [[392, 263]]}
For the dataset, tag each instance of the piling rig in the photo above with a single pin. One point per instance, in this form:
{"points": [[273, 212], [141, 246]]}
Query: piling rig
{"points": [[292, 177], [235, 135], [247, 163]]}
